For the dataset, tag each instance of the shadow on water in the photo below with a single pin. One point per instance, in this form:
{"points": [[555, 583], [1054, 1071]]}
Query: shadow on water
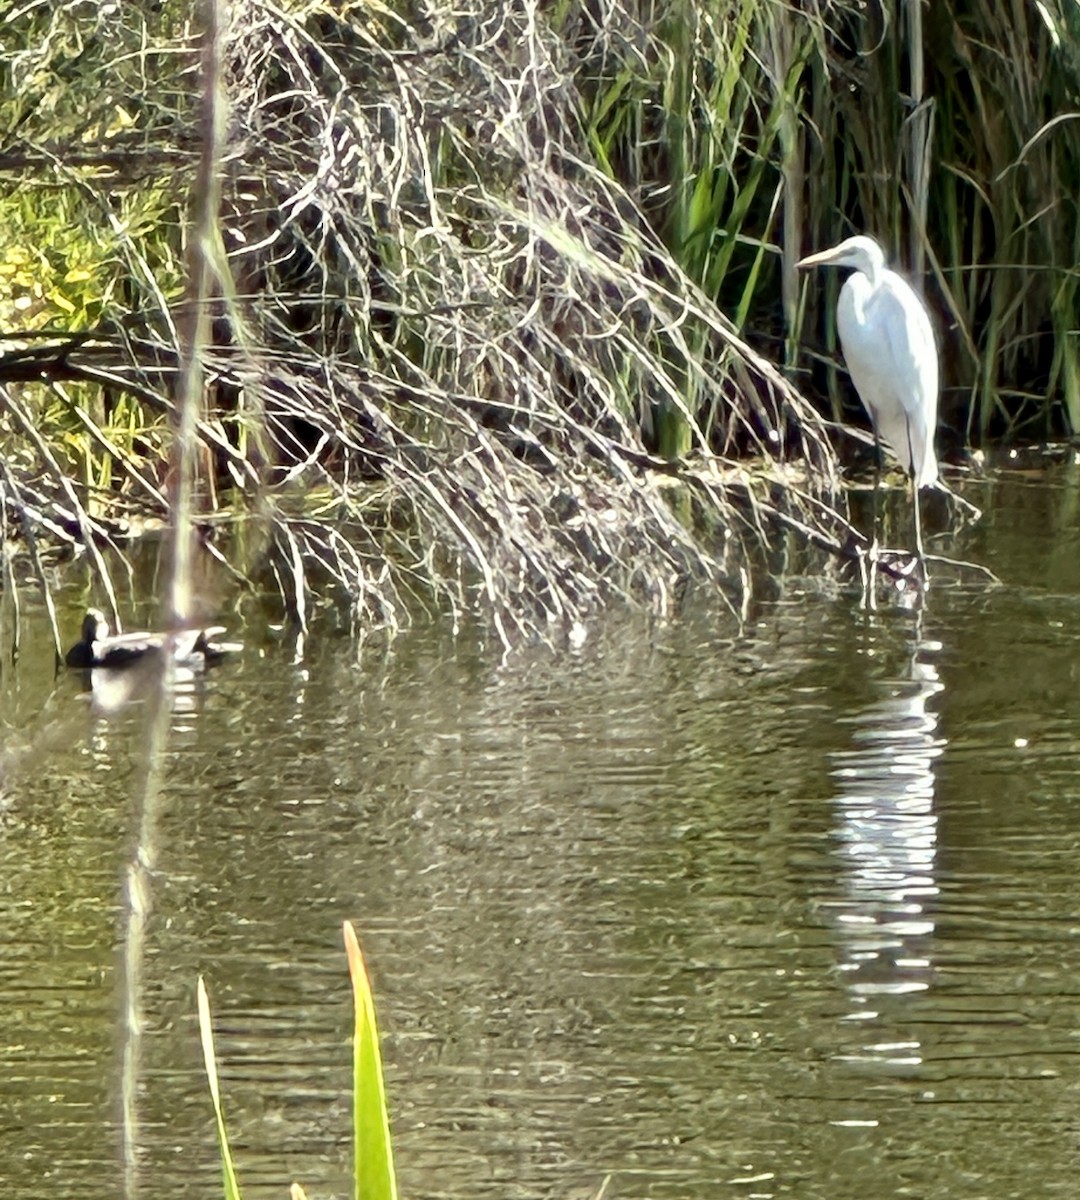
{"points": [[785, 911]]}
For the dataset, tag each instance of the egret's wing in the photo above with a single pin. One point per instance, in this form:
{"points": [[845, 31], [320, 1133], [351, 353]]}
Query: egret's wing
{"points": [[890, 352], [913, 348]]}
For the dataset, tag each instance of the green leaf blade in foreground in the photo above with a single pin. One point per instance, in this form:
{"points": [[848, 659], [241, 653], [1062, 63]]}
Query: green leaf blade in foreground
{"points": [[206, 1034], [373, 1155]]}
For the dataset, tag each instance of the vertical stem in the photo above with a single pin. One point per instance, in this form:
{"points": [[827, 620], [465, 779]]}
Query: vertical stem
{"points": [[919, 136], [202, 257], [791, 165], [203, 242]]}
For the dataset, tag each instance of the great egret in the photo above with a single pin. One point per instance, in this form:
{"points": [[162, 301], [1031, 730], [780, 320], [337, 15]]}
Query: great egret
{"points": [[889, 348]]}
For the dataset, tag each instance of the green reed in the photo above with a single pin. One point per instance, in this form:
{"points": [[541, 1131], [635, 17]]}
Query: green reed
{"points": [[374, 1177]]}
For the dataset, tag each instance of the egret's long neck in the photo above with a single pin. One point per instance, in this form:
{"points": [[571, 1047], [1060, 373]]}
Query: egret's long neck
{"points": [[873, 266]]}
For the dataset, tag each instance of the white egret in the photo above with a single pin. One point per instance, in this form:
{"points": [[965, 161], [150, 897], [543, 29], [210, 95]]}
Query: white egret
{"points": [[889, 348]]}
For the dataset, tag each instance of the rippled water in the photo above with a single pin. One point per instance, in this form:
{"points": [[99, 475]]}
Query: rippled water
{"points": [[786, 911]]}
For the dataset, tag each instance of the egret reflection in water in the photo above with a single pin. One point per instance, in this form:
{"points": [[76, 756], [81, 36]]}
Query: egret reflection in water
{"points": [[887, 835]]}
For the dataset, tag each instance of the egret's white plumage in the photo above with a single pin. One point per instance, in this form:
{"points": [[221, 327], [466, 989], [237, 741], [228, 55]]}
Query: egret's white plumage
{"points": [[889, 348]]}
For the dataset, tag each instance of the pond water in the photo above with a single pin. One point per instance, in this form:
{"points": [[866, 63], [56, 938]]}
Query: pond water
{"points": [[791, 910]]}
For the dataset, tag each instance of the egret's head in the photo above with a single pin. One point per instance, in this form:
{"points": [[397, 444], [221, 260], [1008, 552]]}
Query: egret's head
{"points": [[862, 253]]}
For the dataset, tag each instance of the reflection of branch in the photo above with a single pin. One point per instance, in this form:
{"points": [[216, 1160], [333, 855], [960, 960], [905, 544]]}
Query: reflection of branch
{"points": [[11, 493], [962, 564], [61, 480]]}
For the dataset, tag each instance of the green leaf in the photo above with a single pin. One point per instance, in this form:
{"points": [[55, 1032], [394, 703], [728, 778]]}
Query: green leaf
{"points": [[206, 1033], [373, 1155]]}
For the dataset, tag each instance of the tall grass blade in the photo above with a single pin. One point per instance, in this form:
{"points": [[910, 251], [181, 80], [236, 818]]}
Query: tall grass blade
{"points": [[373, 1155], [206, 1035]]}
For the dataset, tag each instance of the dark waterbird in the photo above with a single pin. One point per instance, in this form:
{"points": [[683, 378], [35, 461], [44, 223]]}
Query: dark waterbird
{"points": [[98, 648]]}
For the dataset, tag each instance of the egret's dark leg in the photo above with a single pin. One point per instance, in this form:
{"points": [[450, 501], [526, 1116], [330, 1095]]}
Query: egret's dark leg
{"points": [[918, 532], [919, 554], [874, 545], [875, 550]]}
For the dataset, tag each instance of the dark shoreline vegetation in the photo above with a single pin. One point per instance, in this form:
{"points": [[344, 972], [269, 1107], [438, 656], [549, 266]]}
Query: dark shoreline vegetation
{"points": [[505, 316]]}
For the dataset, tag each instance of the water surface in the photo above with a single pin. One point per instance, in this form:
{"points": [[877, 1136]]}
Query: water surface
{"points": [[786, 910]]}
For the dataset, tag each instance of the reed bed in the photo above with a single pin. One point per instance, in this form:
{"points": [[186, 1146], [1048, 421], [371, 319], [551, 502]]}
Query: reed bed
{"points": [[447, 342], [949, 131], [504, 294]]}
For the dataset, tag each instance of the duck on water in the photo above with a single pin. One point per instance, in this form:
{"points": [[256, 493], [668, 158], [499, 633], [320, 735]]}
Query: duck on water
{"points": [[97, 647]]}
